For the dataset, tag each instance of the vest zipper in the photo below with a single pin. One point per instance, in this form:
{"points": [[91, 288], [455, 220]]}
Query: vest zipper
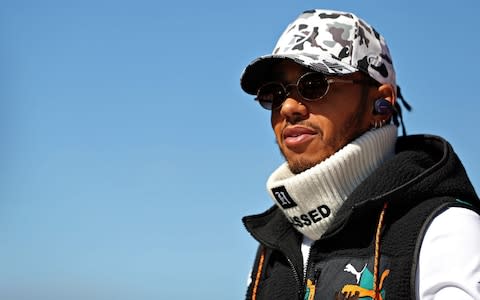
{"points": [[309, 291], [297, 278], [292, 266]]}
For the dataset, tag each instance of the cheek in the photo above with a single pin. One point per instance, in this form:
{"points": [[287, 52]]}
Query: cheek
{"points": [[276, 126], [277, 130], [337, 118]]}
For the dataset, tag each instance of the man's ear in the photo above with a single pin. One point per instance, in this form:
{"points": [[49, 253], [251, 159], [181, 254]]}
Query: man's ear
{"points": [[388, 92], [383, 104]]}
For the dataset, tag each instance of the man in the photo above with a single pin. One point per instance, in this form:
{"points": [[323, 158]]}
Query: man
{"points": [[359, 213]]}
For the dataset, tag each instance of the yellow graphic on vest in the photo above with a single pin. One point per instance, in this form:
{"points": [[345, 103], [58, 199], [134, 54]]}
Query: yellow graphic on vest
{"points": [[310, 293]]}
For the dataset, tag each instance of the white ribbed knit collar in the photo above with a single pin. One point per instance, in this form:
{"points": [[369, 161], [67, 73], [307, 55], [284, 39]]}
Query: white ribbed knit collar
{"points": [[311, 199]]}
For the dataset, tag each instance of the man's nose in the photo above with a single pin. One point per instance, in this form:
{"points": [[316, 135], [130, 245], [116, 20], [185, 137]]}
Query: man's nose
{"points": [[293, 109]]}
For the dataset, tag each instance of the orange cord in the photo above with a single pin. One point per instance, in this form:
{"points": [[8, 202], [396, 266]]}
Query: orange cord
{"points": [[376, 288], [259, 273]]}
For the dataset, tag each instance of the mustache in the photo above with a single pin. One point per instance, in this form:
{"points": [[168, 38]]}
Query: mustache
{"points": [[304, 123]]}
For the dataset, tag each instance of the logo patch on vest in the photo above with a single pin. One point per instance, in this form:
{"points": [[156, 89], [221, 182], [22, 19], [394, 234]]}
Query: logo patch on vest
{"points": [[283, 198], [365, 287]]}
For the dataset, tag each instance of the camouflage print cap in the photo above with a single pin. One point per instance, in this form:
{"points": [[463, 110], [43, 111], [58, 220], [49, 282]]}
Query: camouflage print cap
{"points": [[331, 42]]}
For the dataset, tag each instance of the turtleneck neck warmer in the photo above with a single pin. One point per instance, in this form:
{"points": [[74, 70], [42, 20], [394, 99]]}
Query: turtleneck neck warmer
{"points": [[311, 199]]}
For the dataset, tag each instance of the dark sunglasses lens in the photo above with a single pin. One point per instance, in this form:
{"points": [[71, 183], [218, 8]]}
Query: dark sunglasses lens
{"points": [[313, 86], [270, 95]]}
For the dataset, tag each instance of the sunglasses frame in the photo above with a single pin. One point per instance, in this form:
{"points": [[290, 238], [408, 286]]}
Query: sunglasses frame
{"points": [[285, 93]]}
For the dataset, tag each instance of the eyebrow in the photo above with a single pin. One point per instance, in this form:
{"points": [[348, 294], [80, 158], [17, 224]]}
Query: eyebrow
{"points": [[281, 75]]}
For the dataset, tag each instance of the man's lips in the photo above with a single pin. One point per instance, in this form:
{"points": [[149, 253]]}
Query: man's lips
{"points": [[297, 135]]}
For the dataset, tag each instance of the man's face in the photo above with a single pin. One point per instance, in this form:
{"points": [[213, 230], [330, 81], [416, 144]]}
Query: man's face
{"points": [[308, 132]]}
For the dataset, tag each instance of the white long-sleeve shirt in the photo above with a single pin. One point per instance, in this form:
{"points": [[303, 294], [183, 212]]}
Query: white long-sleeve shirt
{"points": [[449, 263]]}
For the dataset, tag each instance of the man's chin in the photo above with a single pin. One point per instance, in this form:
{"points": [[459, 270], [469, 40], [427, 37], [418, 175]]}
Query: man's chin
{"points": [[300, 162], [298, 166]]}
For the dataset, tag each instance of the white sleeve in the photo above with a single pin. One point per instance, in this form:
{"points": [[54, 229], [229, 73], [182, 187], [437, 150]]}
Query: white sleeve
{"points": [[449, 262]]}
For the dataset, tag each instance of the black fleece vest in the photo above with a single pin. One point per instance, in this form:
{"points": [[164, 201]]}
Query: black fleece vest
{"points": [[341, 266]]}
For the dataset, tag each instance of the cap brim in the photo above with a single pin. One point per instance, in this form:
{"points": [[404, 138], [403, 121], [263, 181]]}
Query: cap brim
{"points": [[259, 71]]}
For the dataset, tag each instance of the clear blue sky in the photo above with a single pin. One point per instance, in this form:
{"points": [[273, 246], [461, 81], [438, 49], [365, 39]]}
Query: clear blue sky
{"points": [[130, 153]]}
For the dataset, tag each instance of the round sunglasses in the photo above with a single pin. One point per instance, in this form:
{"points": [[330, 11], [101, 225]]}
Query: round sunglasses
{"points": [[311, 86]]}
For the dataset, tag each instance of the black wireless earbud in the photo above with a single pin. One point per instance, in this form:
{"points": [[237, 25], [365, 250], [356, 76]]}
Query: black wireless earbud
{"points": [[382, 107]]}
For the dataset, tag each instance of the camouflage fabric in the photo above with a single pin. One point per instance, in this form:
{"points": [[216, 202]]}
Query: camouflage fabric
{"points": [[326, 41]]}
